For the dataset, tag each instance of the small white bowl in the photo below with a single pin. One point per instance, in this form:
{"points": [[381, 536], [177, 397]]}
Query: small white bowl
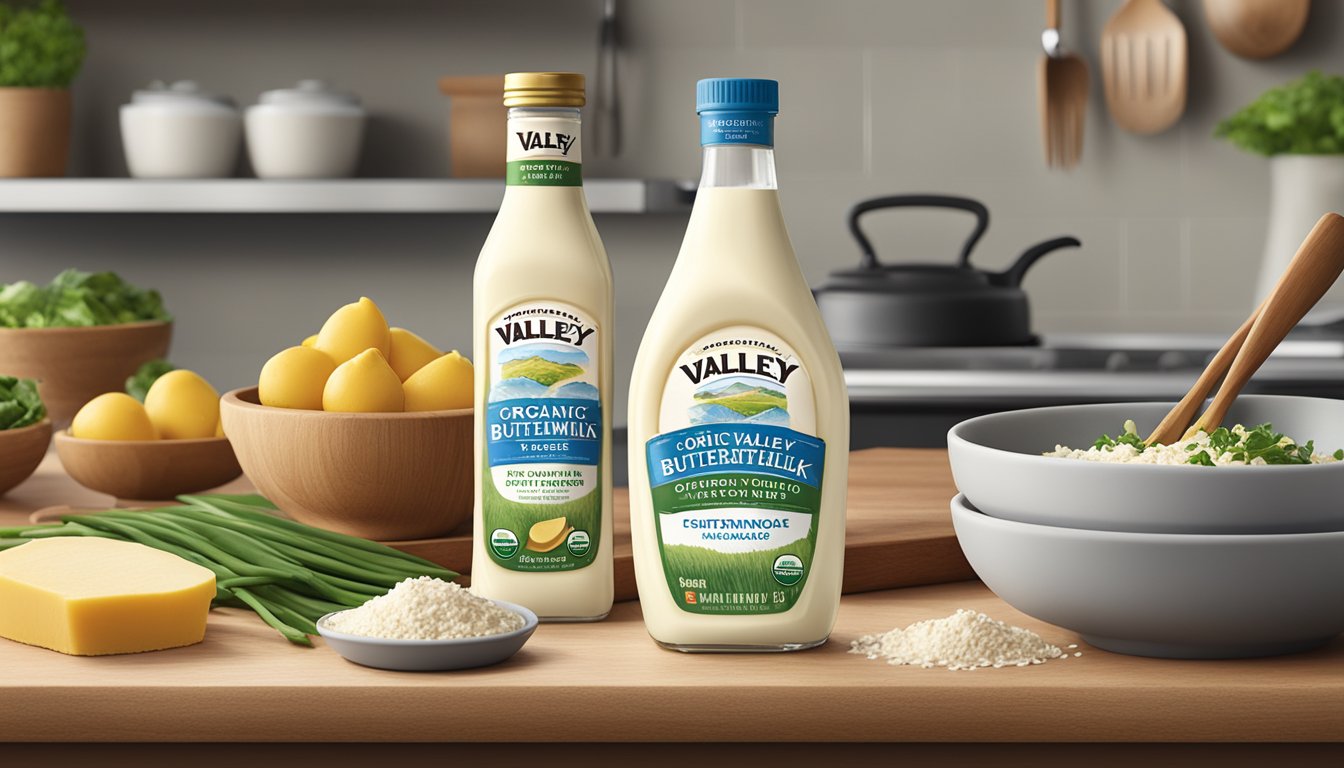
{"points": [[310, 131], [431, 655], [179, 131]]}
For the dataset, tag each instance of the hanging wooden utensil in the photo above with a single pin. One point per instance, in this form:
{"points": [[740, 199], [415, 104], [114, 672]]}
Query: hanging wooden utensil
{"points": [[1257, 29], [1062, 92], [1144, 66]]}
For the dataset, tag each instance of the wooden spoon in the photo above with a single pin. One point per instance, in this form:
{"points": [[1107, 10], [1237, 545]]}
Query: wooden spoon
{"points": [[1144, 66], [1318, 263], [1257, 29], [1062, 93], [1173, 427]]}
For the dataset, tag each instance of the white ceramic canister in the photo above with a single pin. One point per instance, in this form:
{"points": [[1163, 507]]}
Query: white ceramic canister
{"points": [[310, 131], [179, 131], [1302, 189]]}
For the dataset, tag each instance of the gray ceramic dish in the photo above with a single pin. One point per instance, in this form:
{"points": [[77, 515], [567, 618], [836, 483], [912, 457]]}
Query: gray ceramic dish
{"points": [[997, 464], [431, 655], [1168, 595]]}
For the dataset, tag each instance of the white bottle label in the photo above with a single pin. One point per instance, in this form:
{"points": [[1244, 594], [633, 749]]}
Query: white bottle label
{"points": [[541, 495], [544, 151], [736, 474]]}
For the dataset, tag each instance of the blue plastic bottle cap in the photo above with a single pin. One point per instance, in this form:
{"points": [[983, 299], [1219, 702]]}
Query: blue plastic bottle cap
{"points": [[737, 94], [737, 110]]}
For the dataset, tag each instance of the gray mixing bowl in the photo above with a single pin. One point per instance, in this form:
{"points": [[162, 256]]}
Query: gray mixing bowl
{"points": [[1160, 594], [997, 464]]}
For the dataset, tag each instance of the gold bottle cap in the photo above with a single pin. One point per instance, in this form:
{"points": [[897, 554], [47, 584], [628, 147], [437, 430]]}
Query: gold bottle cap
{"points": [[543, 89]]}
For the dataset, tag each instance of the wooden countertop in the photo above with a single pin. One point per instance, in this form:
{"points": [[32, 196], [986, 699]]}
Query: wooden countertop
{"points": [[609, 682]]}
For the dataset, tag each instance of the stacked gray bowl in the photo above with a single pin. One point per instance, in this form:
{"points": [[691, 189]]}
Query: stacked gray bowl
{"points": [[1170, 561]]}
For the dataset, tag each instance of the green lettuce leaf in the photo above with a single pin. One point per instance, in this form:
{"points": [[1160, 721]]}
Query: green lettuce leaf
{"points": [[138, 384], [78, 299], [20, 405]]}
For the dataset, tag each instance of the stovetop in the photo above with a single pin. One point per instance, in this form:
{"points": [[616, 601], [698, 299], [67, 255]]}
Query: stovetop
{"points": [[1086, 368]]}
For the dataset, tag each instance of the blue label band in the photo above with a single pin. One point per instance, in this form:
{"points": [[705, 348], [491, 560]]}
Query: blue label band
{"points": [[544, 430], [717, 448], [736, 127]]}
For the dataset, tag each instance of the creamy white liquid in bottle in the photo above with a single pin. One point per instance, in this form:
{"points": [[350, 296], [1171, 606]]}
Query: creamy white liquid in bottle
{"points": [[739, 418], [542, 339]]}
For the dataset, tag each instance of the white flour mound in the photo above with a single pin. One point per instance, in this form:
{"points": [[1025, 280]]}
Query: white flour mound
{"points": [[964, 640], [426, 609]]}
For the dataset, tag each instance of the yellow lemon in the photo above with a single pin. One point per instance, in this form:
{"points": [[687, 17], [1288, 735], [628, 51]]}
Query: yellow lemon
{"points": [[364, 384], [219, 429], [295, 378], [442, 384], [182, 406], [113, 416], [410, 353], [310, 341], [352, 329]]}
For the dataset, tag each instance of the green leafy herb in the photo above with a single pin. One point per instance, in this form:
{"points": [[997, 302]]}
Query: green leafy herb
{"points": [[1238, 444], [1202, 458], [1247, 445], [1304, 117], [40, 46], [138, 385], [20, 405], [78, 299], [1129, 437]]}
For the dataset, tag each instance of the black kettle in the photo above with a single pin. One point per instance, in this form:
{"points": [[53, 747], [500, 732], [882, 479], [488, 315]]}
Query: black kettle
{"points": [[929, 305]]}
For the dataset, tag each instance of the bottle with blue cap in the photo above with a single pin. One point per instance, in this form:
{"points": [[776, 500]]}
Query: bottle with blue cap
{"points": [[739, 419]]}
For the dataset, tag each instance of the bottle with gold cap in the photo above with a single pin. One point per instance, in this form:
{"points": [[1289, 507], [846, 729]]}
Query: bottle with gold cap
{"points": [[542, 336]]}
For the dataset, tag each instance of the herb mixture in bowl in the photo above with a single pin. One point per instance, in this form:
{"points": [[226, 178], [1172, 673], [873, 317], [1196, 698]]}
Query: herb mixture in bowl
{"points": [[1238, 446], [77, 299]]}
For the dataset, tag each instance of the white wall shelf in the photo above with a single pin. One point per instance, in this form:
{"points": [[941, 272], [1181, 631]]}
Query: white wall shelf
{"points": [[322, 196]]}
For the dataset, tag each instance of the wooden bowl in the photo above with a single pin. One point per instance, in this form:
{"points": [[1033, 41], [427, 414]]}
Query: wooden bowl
{"points": [[21, 450], [75, 365], [384, 476], [148, 470]]}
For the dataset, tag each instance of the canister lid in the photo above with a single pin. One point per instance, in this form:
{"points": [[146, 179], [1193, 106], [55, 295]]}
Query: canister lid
{"points": [[310, 92], [179, 92], [543, 89]]}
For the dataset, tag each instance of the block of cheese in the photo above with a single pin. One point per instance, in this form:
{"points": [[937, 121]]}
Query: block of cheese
{"points": [[96, 596]]}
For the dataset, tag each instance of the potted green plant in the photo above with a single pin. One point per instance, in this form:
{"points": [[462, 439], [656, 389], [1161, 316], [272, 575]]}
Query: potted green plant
{"points": [[1299, 126], [41, 51]]}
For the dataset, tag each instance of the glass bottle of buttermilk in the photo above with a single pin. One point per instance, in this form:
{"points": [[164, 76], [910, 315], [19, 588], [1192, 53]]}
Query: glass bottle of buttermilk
{"points": [[542, 336], [739, 419]]}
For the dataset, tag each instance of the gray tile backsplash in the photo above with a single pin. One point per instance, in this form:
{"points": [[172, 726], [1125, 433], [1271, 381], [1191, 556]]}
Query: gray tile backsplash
{"points": [[878, 96]]}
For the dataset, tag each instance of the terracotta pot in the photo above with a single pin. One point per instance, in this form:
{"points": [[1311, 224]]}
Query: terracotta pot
{"points": [[34, 131], [73, 365], [477, 121]]}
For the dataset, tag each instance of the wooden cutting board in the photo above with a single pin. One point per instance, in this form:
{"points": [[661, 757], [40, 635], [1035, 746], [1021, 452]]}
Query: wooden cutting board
{"points": [[898, 531], [898, 528]]}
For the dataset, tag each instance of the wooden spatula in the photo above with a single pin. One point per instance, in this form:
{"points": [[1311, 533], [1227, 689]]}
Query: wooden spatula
{"points": [[1062, 92], [1144, 66], [1318, 263]]}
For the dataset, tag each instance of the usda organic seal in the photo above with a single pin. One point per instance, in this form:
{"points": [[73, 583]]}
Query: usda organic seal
{"points": [[787, 570], [504, 542]]}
